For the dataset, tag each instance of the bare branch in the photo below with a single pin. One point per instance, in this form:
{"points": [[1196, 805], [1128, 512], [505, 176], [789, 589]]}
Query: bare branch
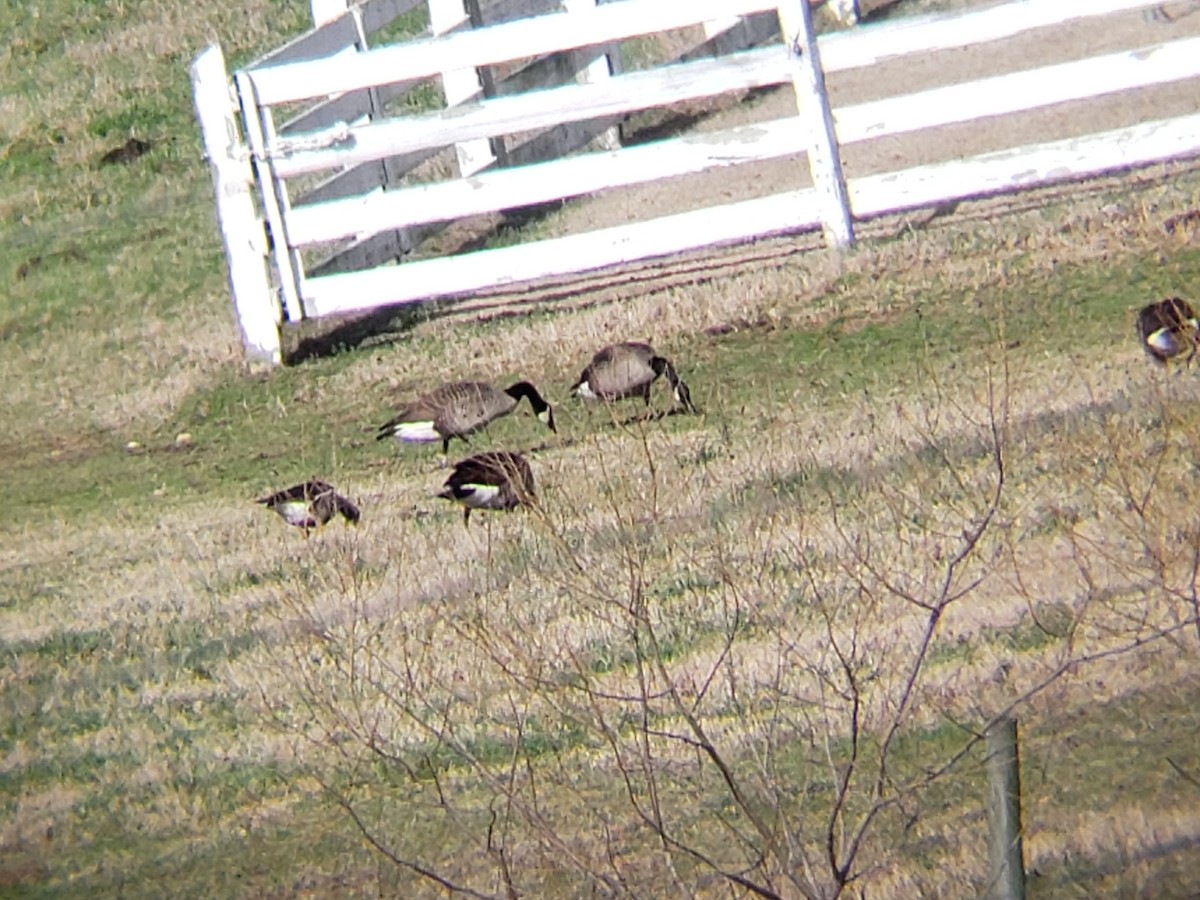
{"points": [[425, 872]]}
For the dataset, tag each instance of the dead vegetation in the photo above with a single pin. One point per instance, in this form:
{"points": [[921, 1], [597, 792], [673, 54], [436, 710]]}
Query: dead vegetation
{"points": [[749, 652]]}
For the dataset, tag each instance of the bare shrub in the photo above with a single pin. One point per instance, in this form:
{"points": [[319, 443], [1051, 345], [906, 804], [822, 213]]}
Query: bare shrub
{"points": [[706, 664]]}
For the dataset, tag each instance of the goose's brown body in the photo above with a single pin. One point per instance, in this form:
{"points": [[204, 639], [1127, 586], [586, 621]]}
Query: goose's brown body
{"points": [[310, 504], [1168, 328], [500, 480], [460, 408], [628, 370]]}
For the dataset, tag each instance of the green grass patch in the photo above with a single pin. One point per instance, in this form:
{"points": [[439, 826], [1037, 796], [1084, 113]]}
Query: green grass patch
{"points": [[146, 726]]}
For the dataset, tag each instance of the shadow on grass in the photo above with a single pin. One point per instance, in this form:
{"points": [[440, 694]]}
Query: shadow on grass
{"points": [[386, 325], [381, 326]]}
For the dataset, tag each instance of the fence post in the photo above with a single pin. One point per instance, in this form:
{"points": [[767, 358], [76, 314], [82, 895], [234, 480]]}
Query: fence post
{"points": [[258, 311], [599, 69], [327, 10], [845, 11], [1007, 869], [463, 85], [824, 160]]}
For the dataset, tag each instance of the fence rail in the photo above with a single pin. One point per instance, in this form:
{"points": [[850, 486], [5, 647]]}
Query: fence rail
{"points": [[354, 154]]}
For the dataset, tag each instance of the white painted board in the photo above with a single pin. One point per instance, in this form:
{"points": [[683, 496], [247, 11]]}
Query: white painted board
{"points": [[527, 185], [489, 46], [450, 275], [537, 109], [790, 211]]}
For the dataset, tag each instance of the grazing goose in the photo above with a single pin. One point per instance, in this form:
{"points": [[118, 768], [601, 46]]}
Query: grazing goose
{"points": [[460, 408], [628, 370], [1168, 328], [310, 504], [494, 480]]}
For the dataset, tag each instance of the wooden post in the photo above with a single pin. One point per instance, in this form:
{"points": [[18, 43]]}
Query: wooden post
{"points": [[327, 10], [258, 311], [1007, 870], [845, 11], [463, 85], [597, 70], [393, 244], [824, 160], [273, 193]]}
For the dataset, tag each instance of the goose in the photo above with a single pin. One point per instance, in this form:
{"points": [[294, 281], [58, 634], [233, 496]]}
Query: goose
{"points": [[1168, 329], [460, 408], [310, 504], [499, 479], [627, 370]]}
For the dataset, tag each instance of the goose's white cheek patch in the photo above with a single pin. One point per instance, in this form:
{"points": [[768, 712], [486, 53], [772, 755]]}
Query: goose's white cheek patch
{"points": [[417, 432], [585, 391]]}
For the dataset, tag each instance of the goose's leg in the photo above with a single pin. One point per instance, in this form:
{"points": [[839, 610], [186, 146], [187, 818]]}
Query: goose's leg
{"points": [[489, 553]]}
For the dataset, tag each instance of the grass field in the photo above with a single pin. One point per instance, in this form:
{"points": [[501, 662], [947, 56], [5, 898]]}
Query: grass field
{"points": [[932, 481]]}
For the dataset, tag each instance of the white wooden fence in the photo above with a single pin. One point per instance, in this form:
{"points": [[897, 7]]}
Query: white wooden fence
{"points": [[274, 159]]}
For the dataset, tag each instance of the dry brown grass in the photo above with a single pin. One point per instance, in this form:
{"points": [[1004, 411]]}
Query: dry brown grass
{"points": [[791, 282], [171, 644], [470, 629], [384, 596]]}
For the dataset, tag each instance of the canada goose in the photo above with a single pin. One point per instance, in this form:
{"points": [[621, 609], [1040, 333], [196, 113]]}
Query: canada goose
{"points": [[628, 370], [460, 408], [1168, 328], [310, 504], [494, 480]]}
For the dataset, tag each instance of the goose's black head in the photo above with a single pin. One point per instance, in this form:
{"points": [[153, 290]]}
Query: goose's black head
{"points": [[523, 390]]}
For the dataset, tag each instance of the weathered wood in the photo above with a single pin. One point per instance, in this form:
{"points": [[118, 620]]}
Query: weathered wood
{"points": [[378, 13], [894, 115], [1004, 94], [508, 10], [341, 33], [389, 245], [731, 35], [556, 68], [595, 67], [630, 18], [342, 108], [540, 109], [1007, 870], [333, 35], [368, 252], [254, 302], [489, 46], [815, 121], [323, 41], [360, 179], [462, 85]]}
